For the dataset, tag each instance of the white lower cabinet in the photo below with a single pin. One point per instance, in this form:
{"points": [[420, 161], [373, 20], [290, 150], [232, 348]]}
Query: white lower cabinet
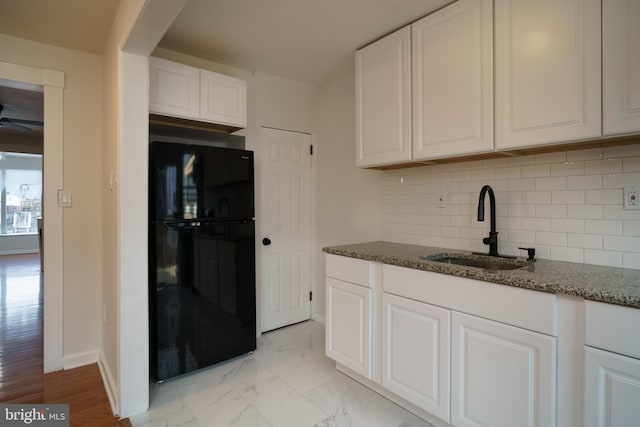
{"points": [[612, 389], [348, 327], [415, 353], [501, 376], [611, 366]]}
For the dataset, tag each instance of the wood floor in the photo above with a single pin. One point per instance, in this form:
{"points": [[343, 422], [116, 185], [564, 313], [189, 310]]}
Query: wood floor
{"points": [[21, 355]]}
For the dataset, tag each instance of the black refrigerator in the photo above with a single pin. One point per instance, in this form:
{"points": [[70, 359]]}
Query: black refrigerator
{"points": [[202, 301]]}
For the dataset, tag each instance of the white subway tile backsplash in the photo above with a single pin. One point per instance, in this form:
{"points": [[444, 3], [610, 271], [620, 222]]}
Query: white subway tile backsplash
{"points": [[522, 211], [567, 225], [588, 154], [619, 180], [621, 151], [553, 183], [534, 171], [482, 174], [622, 243], [617, 212], [631, 260], [537, 197], [631, 228], [631, 164], [510, 172], [602, 226], [551, 238], [536, 224], [584, 182], [522, 237], [566, 204], [574, 197], [585, 241], [551, 211], [604, 166], [567, 168], [556, 157], [604, 197], [561, 253], [598, 257], [460, 176], [523, 184], [584, 211]]}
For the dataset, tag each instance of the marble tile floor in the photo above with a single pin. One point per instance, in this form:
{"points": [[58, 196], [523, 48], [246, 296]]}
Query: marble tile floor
{"points": [[287, 382]]}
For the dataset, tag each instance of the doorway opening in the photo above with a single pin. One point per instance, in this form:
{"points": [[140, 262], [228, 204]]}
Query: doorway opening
{"points": [[21, 279]]}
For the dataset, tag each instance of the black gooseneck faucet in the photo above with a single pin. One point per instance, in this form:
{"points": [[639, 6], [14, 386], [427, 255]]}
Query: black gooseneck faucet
{"points": [[492, 240]]}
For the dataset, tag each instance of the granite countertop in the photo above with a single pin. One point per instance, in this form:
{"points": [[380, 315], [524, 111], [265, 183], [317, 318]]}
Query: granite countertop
{"points": [[607, 284]]}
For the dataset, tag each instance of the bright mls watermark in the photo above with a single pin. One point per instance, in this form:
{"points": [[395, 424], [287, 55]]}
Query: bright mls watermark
{"points": [[34, 415]]}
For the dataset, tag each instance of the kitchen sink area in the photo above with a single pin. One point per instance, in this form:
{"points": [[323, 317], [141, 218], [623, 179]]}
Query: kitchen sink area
{"points": [[479, 261]]}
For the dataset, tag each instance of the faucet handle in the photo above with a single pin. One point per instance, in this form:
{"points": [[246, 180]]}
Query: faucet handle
{"points": [[531, 252]]}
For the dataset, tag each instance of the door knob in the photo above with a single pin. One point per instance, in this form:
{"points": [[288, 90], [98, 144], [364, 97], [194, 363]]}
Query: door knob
{"points": [[266, 241]]}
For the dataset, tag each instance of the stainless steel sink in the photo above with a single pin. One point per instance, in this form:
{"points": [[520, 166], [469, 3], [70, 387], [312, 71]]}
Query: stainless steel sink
{"points": [[485, 262]]}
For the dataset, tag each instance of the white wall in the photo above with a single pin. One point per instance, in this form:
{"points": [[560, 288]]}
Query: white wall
{"points": [[82, 170], [568, 205], [348, 200]]}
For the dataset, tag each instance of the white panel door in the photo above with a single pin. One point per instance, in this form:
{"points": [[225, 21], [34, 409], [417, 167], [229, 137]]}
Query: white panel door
{"points": [[348, 327], [452, 61], [501, 376], [621, 66], [383, 100], [612, 389], [223, 99], [174, 89], [548, 71], [286, 224], [415, 353]]}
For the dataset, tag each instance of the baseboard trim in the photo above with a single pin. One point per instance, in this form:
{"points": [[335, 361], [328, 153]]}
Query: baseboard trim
{"points": [[319, 318], [81, 359], [19, 251], [109, 384]]}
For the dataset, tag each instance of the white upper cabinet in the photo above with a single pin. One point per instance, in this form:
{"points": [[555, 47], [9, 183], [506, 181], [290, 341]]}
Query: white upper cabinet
{"points": [[621, 66], [383, 101], [186, 92], [223, 99], [174, 89], [548, 71], [452, 79]]}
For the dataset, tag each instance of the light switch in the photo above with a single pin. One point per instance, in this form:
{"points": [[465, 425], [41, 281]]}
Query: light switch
{"points": [[64, 198]]}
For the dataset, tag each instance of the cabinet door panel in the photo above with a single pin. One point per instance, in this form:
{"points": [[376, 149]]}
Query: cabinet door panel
{"points": [[621, 66], [548, 71], [223, 99], [501, 376], [348, 328], [612, 389], [415, 353], [383, 101], [174, 89], [452, 80]]}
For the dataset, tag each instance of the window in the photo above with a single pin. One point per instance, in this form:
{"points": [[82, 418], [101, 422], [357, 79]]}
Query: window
{"points": [[20, 192]]}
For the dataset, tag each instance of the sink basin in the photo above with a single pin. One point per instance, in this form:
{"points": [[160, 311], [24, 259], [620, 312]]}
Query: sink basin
{"points": [[487, 263]]}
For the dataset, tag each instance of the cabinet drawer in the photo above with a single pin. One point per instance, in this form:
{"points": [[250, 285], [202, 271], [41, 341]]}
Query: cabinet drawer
{"points": [[349, 270], [612, 327], [518, 307]]}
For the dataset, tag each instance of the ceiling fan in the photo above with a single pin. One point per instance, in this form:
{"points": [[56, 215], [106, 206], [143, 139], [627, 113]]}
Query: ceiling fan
{"points": [[16, 124]]}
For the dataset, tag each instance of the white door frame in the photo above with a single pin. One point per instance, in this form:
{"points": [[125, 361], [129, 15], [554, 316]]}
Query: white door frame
{"points": [[53, 83]]}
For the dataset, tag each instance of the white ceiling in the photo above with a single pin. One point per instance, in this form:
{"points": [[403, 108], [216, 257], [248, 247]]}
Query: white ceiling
{"points": [[305, 40], [74, 24]]}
